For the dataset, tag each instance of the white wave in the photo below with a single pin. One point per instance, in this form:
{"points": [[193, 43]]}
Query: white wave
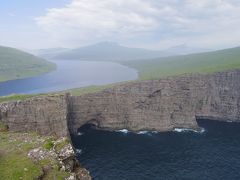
{"points": [[78, 151], [125, 131], [79, 133], [179, 130], [143, 132]]}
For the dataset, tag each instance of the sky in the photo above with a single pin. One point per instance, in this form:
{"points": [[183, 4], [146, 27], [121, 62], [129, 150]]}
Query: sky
{"points": [[152, 24]]}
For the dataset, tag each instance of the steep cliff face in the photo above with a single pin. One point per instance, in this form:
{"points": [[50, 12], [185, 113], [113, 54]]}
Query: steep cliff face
{"points": [[45, 115], [158, 105]]}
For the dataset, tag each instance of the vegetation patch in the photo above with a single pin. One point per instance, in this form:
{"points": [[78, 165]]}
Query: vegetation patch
{"points": [[61, 144], [87, 90], [204, 63], [16, 164], [49, 143], [15, 97], [16, 64]]}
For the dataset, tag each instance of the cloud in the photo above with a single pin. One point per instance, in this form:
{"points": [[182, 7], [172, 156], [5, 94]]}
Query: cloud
{"points": [[83, 21]]}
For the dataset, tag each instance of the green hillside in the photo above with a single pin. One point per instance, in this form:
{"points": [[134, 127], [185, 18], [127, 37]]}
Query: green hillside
{"points": [[16, 64], [210, 62]]}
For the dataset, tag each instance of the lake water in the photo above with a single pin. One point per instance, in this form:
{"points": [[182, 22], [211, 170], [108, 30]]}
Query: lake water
{"points": [[212, 155], [70, 74]]}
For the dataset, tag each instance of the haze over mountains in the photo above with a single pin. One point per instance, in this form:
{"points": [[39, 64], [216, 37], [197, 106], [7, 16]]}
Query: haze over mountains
{"points": [[111, 51]]}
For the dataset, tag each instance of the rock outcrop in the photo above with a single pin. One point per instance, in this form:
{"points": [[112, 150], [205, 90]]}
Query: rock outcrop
{"points": [[159, 105], [44, 115]]}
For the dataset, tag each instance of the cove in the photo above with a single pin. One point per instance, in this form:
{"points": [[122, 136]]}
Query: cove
{"points": [[211, 155], [70, 74]]}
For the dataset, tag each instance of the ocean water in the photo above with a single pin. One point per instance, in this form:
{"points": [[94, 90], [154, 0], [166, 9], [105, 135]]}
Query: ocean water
{"points": [[207, 155]]}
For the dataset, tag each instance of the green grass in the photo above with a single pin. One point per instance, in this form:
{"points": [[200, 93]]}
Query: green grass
{"points": [[18, 97], [16, 64], [87, 90], [75, 92], [60, 145], [209, 62], [48, 144], [14, 162], [15, 97], [14, 166]]}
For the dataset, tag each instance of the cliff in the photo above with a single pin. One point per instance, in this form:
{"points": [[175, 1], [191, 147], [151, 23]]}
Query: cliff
{"points": [[159, 105], [44, 115]]}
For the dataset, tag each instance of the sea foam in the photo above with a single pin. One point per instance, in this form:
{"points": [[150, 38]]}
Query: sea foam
{"points": [[80, 134], [179, 130], [143, 132], [78, 151], [125, 131]]}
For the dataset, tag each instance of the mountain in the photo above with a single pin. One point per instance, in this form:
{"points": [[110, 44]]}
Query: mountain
{"points": [[49, 53], [16, 64], [183, 49], [208, 62], [108, 51]]}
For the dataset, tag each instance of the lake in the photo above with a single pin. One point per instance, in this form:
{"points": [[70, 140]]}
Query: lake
{"points": [[210, 155], [70, 74]]}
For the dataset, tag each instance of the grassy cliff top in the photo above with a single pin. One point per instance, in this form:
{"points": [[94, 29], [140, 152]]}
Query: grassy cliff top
{"points": [[16, 64], [15, 162], [209, 62]]}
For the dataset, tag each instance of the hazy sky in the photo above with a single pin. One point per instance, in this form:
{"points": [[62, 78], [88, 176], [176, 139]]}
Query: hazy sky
{"points": [[156, 24]]}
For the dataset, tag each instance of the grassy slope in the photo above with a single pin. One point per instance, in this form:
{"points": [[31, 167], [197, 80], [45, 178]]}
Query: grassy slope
{"points": [[14, 162], [196, 63], [15, 64]]}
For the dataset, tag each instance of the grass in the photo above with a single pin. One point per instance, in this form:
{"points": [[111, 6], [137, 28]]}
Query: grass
{"points": [[15, 97], [86, 90], [18, 97], [14, 166], [209, 62], [16, 64], [48, 144], [14, 162], [60, 145], [75, 92]]}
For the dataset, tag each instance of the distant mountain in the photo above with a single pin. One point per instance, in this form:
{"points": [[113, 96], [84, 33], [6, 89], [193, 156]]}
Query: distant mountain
{"points": [[111, 51], [49, 53], [108, 51], [16, 64], [183, 49]]}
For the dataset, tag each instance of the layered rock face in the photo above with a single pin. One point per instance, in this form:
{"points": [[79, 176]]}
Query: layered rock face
{"points": [[45, 115], [158, 105]]}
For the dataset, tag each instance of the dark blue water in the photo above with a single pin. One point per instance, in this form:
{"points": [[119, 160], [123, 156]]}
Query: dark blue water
{"points": [[70, 74], [214, 154]]}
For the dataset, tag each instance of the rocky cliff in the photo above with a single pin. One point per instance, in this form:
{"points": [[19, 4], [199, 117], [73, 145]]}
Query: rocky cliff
{"points": [[159, 105], [45, 115]]}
